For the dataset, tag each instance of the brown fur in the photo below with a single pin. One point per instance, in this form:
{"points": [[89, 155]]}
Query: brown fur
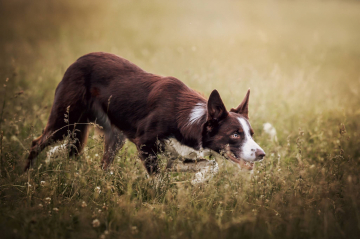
{"points": [[131, 103]]}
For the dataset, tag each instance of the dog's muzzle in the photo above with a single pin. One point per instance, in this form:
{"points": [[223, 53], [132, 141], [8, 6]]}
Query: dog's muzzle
{"points": [[260, 154]]}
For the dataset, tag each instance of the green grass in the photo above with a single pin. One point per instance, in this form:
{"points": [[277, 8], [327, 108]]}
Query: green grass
{"points": [[301, 60]]}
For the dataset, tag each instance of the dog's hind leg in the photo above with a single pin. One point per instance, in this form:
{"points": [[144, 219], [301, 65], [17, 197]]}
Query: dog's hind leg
{"points": [[56, 129], [56, 132], [48, 137], [114, 138], [78, 139]]}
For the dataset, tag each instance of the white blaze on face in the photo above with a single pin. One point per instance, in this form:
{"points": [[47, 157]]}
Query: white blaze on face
{"points": [[249, 146]]}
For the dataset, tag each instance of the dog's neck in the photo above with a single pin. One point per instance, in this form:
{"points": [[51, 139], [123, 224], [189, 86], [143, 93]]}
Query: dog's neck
{"points": [[191, 119]]}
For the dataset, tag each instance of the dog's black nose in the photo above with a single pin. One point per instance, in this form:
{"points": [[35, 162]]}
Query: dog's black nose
{"points": [[260, 154]]}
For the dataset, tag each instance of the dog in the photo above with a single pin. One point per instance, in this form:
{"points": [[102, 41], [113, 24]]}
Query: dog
{"points": [[155, 113]]}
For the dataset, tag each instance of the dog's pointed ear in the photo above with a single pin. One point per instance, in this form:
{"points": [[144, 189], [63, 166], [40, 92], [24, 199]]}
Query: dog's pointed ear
{"points": [[243, 108], [216, 108]]}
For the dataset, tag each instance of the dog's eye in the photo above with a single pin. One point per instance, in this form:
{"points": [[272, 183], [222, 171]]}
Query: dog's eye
{"points": [[235, 135]]}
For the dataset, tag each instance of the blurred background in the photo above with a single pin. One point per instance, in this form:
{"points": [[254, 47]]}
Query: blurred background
{"points": [[301, 60], [294, 55]]}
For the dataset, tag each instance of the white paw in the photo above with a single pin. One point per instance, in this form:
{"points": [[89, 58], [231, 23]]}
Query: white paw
{"points": [[206, 173], [55, 152]]}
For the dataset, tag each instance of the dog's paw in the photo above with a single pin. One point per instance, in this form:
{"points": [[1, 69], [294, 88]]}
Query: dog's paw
{"points": [[205, 174]]}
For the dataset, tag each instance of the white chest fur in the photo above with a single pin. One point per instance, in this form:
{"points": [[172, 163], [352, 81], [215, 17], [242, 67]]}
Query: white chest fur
{"points": [[175, 147]]}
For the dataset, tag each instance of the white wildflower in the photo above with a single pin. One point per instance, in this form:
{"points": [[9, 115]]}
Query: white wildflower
{"points": [[14, 138], [271, 131], [96, 223], [47, 200], [134, 230], [98, 189]]}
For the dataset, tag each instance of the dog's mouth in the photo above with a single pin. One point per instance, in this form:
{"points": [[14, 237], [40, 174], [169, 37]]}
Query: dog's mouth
{"points": [[239, 161]]}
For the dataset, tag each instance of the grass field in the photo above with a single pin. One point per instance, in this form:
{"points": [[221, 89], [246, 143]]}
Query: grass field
{"points": [[301, 60]]}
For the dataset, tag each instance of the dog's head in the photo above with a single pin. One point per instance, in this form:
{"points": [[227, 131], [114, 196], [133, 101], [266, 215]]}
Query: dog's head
{"points": [[230, 133]]}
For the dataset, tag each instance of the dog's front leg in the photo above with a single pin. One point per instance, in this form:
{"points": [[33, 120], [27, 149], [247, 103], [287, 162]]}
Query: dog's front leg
{"points": [[187, 165], [148, 156], [203, 169], [151, 164]]}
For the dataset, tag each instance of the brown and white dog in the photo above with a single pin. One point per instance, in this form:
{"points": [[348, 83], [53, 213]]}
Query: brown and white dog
{"points": [[155, 113]]}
